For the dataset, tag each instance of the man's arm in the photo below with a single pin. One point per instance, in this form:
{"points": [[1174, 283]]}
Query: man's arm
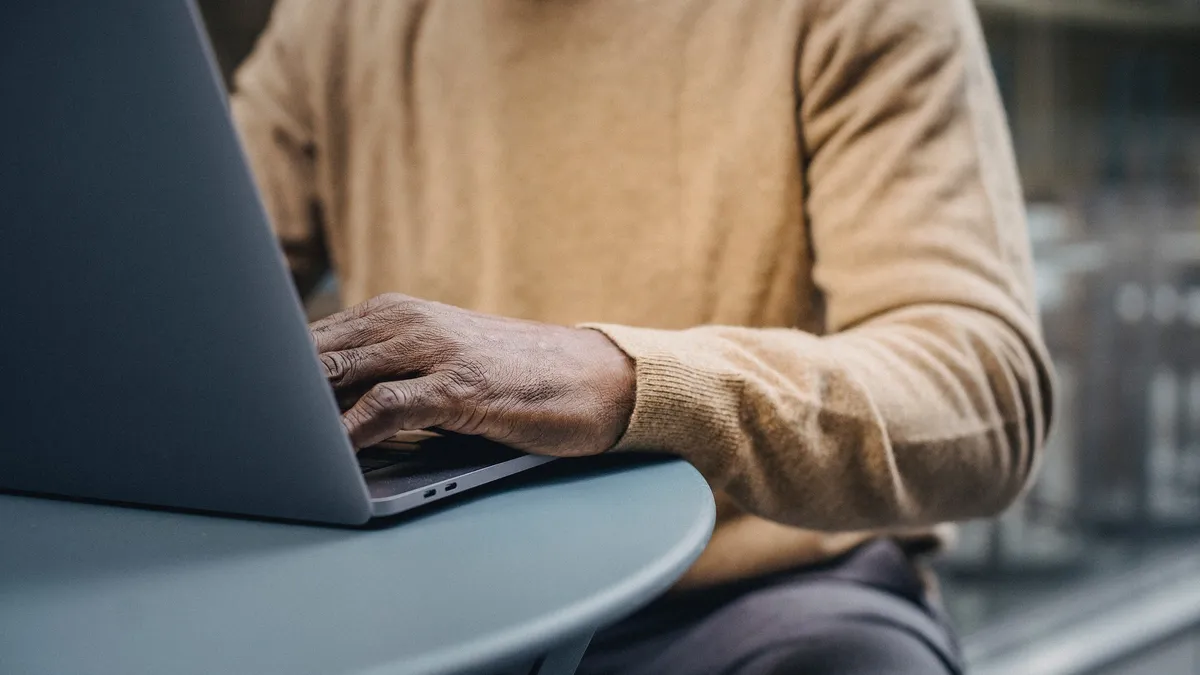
{"points": [[931, 395], [927, 400], [272, 109]]}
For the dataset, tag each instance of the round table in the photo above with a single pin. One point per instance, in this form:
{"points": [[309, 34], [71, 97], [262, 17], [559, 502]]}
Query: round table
{"points": [[521, 573]]}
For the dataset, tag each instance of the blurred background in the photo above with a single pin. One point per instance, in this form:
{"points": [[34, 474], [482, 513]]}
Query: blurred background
{"points": [[1098, 569]]}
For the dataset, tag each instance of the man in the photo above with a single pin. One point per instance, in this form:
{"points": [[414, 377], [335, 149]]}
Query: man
{"points": [[782, 239]]}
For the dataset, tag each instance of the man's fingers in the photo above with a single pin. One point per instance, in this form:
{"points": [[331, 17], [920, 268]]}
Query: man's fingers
{"points": [[403, 405], [358, 311], [354, 368], [360, 367], [351, 334]]}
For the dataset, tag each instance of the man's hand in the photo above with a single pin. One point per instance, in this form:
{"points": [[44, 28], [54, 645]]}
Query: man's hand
{"points": [[398, 363]]}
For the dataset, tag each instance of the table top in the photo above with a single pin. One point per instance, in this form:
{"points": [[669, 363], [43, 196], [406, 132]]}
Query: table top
{"points": [[502, 573]]}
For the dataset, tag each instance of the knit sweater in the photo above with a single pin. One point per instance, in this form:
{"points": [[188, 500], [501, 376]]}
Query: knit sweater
{"points": [[799, 218]]}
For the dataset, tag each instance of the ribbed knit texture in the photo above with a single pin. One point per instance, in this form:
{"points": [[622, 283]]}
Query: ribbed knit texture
{"points": [[800, 218]]}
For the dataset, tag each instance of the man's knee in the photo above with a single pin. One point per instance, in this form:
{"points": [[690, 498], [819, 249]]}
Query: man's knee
{"points": [[851, 646]]}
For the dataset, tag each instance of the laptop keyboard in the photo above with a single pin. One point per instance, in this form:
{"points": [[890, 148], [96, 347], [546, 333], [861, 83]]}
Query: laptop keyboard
{"points": [[378, 457], [433, 454]]}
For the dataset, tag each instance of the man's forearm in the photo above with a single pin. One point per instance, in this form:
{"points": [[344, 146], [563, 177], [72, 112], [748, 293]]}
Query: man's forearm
{"points": [[929, 414]]}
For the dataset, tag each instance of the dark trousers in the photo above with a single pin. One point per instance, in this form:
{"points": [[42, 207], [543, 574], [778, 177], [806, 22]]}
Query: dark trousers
{"points": [[865, 612]]}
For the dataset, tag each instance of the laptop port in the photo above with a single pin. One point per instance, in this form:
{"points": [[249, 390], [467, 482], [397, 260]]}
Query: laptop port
{"points": [[430, 493], [451, 486]]}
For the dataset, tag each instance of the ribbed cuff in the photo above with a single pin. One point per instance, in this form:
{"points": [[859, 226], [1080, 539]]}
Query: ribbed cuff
{"points": [[685, 404]]}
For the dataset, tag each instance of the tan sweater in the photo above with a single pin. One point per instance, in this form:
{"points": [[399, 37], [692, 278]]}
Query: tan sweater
{"points": [[799, 217]]}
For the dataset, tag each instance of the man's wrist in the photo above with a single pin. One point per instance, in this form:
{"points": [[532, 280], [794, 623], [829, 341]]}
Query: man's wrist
{"points": [[685, 404], [617, 379]]}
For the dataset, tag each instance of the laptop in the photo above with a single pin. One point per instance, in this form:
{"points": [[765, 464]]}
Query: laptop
{"points": [[153, 349]]}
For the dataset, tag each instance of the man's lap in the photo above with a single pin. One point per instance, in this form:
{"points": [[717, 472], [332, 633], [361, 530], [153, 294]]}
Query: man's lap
{"points": [[864, 614]]}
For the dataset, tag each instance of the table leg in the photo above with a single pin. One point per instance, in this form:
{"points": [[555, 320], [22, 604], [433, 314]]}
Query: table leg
{"points": [[563, 659]]}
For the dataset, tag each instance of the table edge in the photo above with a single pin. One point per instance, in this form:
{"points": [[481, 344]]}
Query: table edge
{"points": [[580, 619]]}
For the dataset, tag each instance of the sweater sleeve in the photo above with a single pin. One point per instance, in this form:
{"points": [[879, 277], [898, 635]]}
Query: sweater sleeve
{"points": [[928, 397], [272, 110]]}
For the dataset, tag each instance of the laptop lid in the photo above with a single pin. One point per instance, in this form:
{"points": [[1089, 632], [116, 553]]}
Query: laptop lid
{"points": [[153, 349]]}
